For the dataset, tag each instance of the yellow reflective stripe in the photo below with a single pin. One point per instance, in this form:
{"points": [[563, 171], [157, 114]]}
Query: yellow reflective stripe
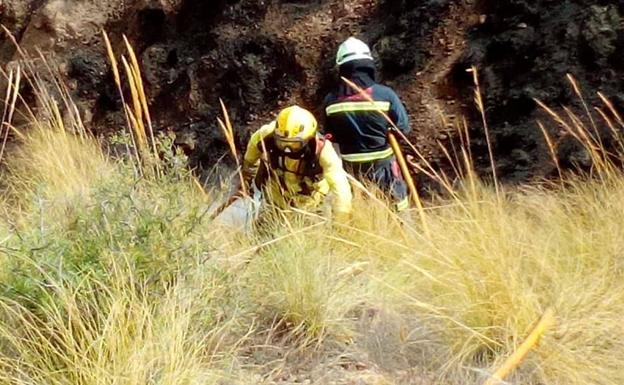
{"points": [[403, 205], [367, 156], [357, 106]]}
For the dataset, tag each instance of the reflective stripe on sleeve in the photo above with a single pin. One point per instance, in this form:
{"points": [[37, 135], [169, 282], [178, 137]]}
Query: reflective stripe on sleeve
{"points": [[403, 205], [357, 106], [367, 156]]}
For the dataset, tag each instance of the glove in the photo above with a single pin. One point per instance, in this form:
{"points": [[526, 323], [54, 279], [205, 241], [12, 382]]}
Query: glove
{"points": [[317, 198], [248, 177], [248, 174]]}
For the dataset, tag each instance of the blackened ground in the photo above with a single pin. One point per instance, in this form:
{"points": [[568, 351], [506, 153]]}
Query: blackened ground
{"points": [[260, 55], [524, 50], [15, 16], [199, 54]]}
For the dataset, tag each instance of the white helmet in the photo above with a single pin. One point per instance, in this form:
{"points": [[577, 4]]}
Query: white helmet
{"points": [[352, 49]]}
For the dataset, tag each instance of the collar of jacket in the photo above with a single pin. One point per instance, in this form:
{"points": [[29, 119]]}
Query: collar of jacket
{"points": [[360, 72]]}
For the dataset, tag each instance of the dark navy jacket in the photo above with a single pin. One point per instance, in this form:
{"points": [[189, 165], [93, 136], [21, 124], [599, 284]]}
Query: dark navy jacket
{"points": [[357, 125]]}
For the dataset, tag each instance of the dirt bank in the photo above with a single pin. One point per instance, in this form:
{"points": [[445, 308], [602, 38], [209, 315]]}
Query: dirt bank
{"points": [[524, 50], [260, 55]]}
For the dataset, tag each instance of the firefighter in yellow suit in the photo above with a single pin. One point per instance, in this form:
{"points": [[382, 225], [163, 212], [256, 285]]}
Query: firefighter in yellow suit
{"points": [[295, 166]]}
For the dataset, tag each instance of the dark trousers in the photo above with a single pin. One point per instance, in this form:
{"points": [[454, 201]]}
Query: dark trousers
{"points": [[386, 174]]}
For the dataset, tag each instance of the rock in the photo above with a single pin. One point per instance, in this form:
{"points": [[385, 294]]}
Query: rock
{"points": [[15, 15], [186, 139], [394, 54], [600, 32]]}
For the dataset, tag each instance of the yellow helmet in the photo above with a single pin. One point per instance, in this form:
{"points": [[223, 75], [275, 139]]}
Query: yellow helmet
{"points": [[295, 127]]}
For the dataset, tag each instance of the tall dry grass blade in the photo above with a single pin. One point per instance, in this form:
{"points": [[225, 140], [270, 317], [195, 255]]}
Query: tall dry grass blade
{"points": [[617, 135], [577, 91], [456, 159], [34, 79], [133, 61], [25, 112], [611, 108], [73, 115], [565, 125], [141, 93], [116, 77], [438, 177], [453, 160], [417, 167], [134, 124], [4, 124], [468, 163], [112, 58], [481, 107], [431, 172], [57, 119], [199, 186], [551, 148], [228, 131], [13, 102], [466, 144], [9, 91], [137, 111], [582, 131], [546, 322], [254, 249], [596, 151], [575, 127], [23, 54], [14, 41]]}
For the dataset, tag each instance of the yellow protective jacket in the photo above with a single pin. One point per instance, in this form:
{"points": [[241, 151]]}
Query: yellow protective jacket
{"points": [[301, 183]]}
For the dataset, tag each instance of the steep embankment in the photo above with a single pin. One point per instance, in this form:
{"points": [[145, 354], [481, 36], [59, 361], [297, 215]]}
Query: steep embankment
{"points": [[524, 50], [260, 55]]}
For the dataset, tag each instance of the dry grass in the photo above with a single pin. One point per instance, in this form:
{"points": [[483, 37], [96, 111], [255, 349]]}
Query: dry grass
{"points": [[110, 332], [66, 164], [112, 273], [490, 270]]}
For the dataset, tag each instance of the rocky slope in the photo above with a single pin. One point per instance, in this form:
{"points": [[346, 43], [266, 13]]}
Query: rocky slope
{"points": [[258, 55]]}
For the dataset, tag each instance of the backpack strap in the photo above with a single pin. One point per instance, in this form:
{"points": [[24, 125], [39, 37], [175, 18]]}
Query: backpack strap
{"points": [[320, 143]]}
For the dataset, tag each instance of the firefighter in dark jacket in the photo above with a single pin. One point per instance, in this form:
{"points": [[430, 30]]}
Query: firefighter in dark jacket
{"points": [[357, 125]]}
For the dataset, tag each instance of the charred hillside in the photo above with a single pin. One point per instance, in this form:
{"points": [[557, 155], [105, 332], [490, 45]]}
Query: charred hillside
{"points": [[260, 55]]}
